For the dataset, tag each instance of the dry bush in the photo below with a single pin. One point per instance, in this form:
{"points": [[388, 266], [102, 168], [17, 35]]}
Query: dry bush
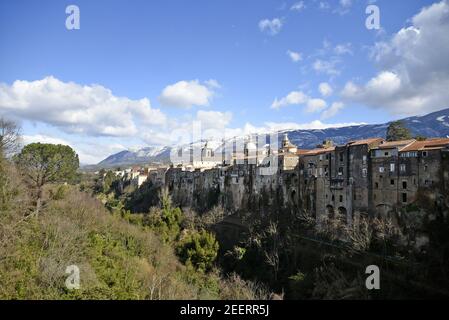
{"points": [[333, 284], [235, 288]]}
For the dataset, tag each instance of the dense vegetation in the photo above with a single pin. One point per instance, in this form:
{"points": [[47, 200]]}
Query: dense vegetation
{"points": [[119, 256]]}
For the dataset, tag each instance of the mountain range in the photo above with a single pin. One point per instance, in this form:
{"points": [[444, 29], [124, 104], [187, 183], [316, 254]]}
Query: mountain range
{"points": [[435, 124]]}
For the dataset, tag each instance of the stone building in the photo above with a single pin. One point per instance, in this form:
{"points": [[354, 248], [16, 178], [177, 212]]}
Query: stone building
{"points": [[363, 177]]}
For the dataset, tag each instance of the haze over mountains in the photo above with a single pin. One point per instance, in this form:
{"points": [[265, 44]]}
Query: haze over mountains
{"points": [[435, 124]]}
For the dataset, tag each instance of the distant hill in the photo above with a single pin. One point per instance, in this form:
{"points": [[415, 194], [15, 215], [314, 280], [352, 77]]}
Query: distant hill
{"points": [[435, 124]]}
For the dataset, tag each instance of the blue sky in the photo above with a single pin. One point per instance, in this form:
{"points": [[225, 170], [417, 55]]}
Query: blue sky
{"points": [[137, 70]]}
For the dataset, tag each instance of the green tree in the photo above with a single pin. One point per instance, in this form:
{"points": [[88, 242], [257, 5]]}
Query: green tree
{"points": [[397, 131], [199, 249], [46, 163], [167, 220]]}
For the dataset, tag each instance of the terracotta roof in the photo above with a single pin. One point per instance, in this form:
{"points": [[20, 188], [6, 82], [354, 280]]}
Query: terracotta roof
{"points": [[302, 151], [365, 141], [393, 144], [429, 144], [318, 151]]}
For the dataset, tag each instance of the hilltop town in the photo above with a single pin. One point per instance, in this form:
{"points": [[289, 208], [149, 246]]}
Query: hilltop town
{"points": [[371, 177]]}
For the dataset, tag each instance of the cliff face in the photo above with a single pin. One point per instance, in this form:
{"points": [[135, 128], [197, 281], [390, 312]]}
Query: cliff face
{"points": [[235, 188]]}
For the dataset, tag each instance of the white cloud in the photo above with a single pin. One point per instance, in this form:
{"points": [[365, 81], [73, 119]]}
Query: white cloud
{"points": [[345, 3], [212, 83], [332, 110], [293, 98], [327, 67], [27, 139], [298, 6], [213, 119], [89, 152], [74, 108], [315, 105], [294, 56], [313, 125], [271, 26], [325, 89], [324, 5], [414, 76], [185, 94], [344, 48]]}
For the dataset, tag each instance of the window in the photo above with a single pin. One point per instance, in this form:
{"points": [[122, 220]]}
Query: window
{"points": [[364, 172], [381, 169], [424, 154], [392, 167], [386, 154], [341, 157], [333, 198], [404, 197], [392, 182], [364, 159], [321, 172], [426, 182], [376, 185], [340, 171], [341, 198], [321, 157], [425, 168], [355, 196], [402, 167], [404, 185]]}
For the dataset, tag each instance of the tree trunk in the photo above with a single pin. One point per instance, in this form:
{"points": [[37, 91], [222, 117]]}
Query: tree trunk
{"points": [[38, 201]]}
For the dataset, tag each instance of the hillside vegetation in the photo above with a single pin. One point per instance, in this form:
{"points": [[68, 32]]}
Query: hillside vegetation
{"points": [[118, 258]]}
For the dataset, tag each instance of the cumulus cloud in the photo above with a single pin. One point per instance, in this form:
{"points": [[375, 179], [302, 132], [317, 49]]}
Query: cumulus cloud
{"points": [[75, 108], [27, 139], [185, 94], [414, 68], [89, 152], [332, 110], [293, 98], [315, 105], [272, 27], [213, 119], [294, 56], [325, 89]]}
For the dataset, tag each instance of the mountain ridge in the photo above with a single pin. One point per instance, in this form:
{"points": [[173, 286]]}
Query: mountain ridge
{"points": [[435, 124]]}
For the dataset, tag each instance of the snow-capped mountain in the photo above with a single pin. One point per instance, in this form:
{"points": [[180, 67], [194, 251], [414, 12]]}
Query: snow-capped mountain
{"points": [[435, 124]]}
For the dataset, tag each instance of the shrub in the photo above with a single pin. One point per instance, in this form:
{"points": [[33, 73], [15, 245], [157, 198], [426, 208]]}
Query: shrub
{"points": [[199, 249]]}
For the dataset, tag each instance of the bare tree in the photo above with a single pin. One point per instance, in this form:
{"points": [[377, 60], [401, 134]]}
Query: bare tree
{"points": [[9, 137]]}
